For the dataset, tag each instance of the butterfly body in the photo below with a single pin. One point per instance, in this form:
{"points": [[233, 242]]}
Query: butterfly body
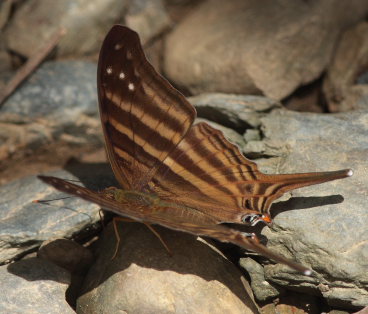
{"points": [[184, 176]]}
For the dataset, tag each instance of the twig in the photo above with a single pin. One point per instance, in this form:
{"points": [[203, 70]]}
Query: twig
{"points": [[32, 63]]}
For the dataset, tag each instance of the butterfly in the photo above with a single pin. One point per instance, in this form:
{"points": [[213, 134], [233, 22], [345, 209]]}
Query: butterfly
{"points": [[175, 173]]}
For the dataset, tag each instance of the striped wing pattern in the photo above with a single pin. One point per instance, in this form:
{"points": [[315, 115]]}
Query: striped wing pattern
{"points": [[220, 181], [201, 179], [143, 116], [176, 218]]}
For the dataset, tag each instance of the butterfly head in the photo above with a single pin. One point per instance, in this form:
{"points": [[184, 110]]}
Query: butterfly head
{"points": [[253, 218]]}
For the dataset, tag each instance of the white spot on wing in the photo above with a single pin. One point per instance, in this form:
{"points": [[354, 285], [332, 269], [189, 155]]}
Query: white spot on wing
{"points": [[109, 70], [118, 46], [131, 86], [121, 75]]}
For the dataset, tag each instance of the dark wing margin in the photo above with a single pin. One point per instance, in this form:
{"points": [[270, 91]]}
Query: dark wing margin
{"points": [[143, 116], [193, 222]]}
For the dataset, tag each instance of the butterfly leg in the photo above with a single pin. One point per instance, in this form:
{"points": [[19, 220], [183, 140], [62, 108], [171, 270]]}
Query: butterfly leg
{"points": [[115, 220], [159, 237]]}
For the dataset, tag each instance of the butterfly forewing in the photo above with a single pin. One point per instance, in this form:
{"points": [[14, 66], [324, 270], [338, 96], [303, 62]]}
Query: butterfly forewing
{"points": [[143, 116]]}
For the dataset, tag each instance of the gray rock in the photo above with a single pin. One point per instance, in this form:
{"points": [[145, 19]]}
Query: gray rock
{"points": [[268, 47], [321, 226], [59, 90], [234, 111], [261, 288], [34, 286], [147, 17], [341, 88], [143, 278], [86, 23], [55, 109], [67, 254], [24, 225]]}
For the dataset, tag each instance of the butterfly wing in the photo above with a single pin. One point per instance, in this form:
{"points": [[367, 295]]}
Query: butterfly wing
{"points": [[208, 172], [143, 116], [174, 217]]}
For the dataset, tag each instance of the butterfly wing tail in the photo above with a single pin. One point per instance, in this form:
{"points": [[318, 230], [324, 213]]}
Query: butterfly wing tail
{"points": [[298, 180]]}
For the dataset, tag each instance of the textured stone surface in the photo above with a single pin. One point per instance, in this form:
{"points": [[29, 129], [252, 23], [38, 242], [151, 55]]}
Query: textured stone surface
{"points": [[59, 90], [234, 111], [24, 225], [342, 89], [66, 254], [143, 278], [249, 47], [86, 22], [261, 288], [34, 286], [323, 226], [147, 17], [55, 110]]}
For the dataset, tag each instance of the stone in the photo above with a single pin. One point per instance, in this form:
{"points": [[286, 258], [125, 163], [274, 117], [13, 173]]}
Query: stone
{"points": [[25, 225], [54, 111], [86, 24], [262, 289], [148, 18], [238, 112], [67, 254], [34, 286], [315, 225], [268, 48], [342, 90], [144, 278]]}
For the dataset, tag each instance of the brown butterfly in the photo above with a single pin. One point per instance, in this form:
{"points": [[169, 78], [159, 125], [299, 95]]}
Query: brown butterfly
{"points": [[183, 176]]}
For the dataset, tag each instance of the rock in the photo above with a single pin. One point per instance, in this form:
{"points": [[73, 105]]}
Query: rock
{"points": [[67, 254], [24, 225], [148, 18], [34, 286], [261, 288], [341, 89], [238, 112], [315, 226], [143, 278], [230, 134], [56, 110], [59, 89], [86, 24], [293, 303], [268, 47]]}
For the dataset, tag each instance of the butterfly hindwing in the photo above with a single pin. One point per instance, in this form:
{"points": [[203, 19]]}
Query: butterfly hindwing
{"points": [[210, 173]]}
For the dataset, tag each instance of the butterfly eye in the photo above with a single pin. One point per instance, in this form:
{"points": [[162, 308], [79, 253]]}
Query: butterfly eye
{"points": [[251, 219]]}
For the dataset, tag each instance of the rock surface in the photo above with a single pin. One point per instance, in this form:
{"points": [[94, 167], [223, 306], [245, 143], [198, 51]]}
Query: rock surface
{"points": [[143, 278], [270, 48], [86, 23], [341, 88], [316, 224], [54, 111], [261, 288], [25, 225], [34, 286]]}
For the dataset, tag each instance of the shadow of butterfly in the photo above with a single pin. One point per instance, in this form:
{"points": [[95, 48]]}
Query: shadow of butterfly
{"points": [[174, 173]]}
